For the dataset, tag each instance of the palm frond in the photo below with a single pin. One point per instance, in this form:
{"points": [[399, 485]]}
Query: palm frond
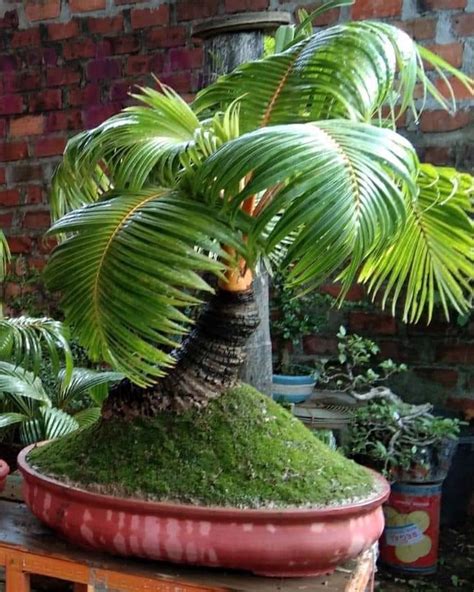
{"points": [[4, 255], [128, 270], [17, 381], [341, 195], [309, 81], [23, 339], [149, 143], [87, 417], [433, 256], [83, 381], [50, 424], [10, 418]]}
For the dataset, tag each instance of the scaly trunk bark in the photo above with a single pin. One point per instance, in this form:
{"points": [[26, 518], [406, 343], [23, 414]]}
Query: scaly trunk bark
{"points": [[207, 364]]}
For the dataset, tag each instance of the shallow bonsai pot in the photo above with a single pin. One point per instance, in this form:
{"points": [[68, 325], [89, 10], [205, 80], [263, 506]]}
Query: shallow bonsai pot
{"points": [[292, 389], [279, 543], [4, 470]]}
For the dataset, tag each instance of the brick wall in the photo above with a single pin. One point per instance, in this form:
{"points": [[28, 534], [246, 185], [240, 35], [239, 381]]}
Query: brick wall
{"points": [[65, 66]]}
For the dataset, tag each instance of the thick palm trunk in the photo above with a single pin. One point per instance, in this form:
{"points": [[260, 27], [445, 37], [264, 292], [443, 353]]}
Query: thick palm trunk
{"points": [[207, 364]]}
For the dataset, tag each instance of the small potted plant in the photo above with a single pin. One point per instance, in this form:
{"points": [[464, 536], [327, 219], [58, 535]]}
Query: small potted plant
{"points": [[354, 375], [292, 319]]}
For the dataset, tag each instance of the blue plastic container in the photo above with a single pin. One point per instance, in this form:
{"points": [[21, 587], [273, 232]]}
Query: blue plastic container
{"points": [[292, 389]]}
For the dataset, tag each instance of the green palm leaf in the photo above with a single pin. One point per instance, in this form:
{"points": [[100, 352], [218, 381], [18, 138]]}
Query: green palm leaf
{"points": [[341, 196], [87, 417], [11, 418], [128, 270], [50, 424], [17, 381], [22, 340], [83, 381], [433, 256], [309, 81]]}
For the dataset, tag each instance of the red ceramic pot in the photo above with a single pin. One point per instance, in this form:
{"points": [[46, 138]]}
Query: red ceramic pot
{"points": [[280, 543], [4, 470]]}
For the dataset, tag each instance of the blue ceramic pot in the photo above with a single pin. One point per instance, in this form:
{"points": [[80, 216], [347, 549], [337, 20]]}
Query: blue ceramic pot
{"points": [[292, 389]]}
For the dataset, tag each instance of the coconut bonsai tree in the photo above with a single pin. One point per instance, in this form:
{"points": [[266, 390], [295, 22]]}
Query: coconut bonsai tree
{"points": [[292, 159]]}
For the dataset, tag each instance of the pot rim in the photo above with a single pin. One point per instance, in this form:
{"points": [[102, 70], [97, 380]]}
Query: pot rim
{"points": [[141, 506]]}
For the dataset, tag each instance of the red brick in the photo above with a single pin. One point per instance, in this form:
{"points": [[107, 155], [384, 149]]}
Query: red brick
{"points": [[13, 151], [444, 377], [9, 197], [125, 44], [103, 69], [34, 194], [120, 91], [355, 293], [138, 64], [419, 29], [62, 76], [46, 245], [439, 155], [38, 219], [10, 104], [185, 59], [464, 24], [43, 56], [79, 48], [142, 18], [316, 345], [443, 4], [46, 100], [466, 406], [86, 5], [24, 173], [182, 82], [376, 9], [99, 113], [8, 63], [377, 323], [6, 221], [245, 5], [327, 18], [41, 10], [21, 81], [19, 244], [36, 263], [29, 125], [451, 52], [88, 95], [49, 146], [106, 25], [3, 176], [188, 10], [156, 63], [456, 353], [9, 20], [166, 37], [57, 121], [460, 91], [58, 31], [25, 38], [441, 121], [3, 127]]}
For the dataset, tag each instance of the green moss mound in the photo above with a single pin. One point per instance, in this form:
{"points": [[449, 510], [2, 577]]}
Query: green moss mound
{"points": [[244, 450]]}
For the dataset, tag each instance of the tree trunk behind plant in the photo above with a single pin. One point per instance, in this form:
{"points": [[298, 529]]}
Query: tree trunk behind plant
{"points": [[223, 53]]}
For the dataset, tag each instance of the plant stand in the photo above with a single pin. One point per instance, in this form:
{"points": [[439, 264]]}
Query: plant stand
{"points": [[28, 548]]}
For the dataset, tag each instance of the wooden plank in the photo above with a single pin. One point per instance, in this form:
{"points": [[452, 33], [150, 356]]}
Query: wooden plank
{"points": [[46, 554], [16, 579], [83, 588]]}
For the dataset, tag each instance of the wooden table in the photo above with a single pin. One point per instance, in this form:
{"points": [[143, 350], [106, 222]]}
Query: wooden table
{"points": [[27, 547]]}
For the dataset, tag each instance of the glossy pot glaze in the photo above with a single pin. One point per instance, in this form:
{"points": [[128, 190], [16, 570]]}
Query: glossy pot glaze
{"points": [[4, 470], [279, 543]]}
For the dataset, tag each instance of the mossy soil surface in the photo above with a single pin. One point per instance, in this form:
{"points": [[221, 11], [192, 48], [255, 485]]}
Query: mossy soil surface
{"points": [[244, 450]]}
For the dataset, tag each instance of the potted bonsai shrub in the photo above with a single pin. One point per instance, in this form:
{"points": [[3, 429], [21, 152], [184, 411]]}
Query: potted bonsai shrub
{"points": [[284, 156], [355, 375], [292, 319]]}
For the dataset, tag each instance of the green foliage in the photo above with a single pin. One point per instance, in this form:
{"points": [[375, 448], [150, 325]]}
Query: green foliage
{"points": [[392, 434], [356, 370], [243, 450], [336, 193], [40, 415]]}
